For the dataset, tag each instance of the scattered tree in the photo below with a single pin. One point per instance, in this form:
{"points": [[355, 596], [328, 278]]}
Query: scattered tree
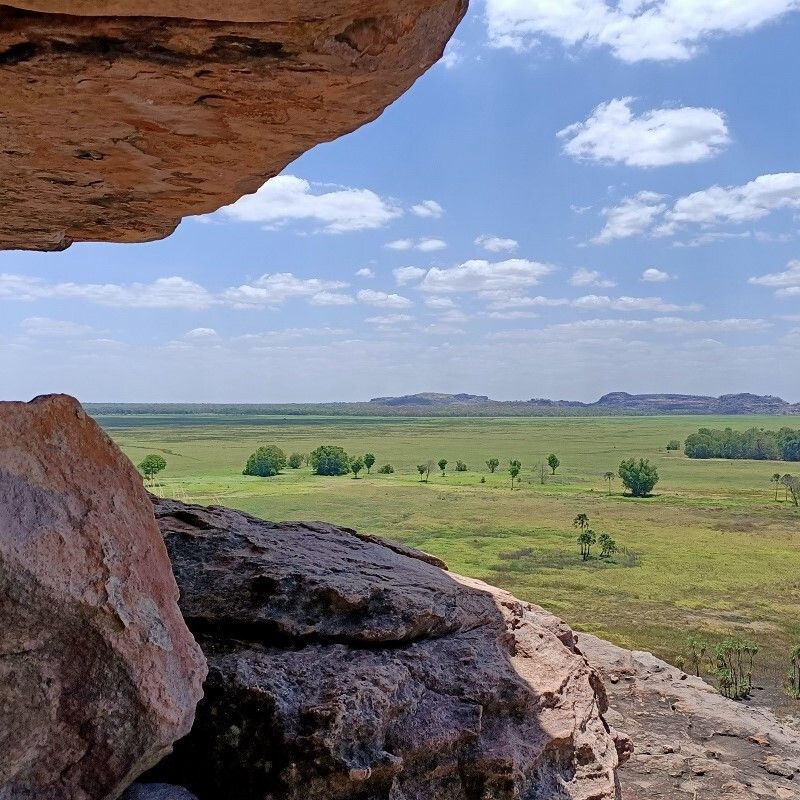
{"points": [[794, 672], [542, 474], [586, 539], [776, 479], [581, 521], [673, 444], [607, 545], [492, 464], [151, 465], [609, 476], [514, 468], [735, 657], [483, 479], [461, 466], [265, 462], [442, 465], [330, 460], [425, 470], [638, 477], [553, 462], [295, 460], [369, 460], [386, 469], [356, 465], [697, 650]]}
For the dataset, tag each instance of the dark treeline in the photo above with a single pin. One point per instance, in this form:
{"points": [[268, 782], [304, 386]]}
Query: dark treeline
{"points": [[755, 443]]}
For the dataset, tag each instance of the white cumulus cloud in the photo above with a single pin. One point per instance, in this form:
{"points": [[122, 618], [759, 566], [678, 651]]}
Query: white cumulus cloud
{"points": [[613, 134], [378, 299], [406, 275], [786, 284], [634, 30], [481, 276], [287, 198], [590, 277], [429, 209], [496, 244], [633, 215], [653, 275], [274, 289]]}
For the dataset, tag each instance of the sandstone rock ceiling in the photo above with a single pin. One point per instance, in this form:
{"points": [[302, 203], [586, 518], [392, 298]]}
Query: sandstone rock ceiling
{"points": [[121, 117]]}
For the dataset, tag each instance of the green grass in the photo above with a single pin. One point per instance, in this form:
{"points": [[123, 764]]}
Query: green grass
{"points": [[711, 552]]}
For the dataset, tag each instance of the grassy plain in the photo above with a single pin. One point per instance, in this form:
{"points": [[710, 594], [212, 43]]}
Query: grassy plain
{"points": [[711, 553]]}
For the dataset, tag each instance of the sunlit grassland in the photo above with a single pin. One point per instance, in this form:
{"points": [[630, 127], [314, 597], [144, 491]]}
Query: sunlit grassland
{"points": [[711, 552]]}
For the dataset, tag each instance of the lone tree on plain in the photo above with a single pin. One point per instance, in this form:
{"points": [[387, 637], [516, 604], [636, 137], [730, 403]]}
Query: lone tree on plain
{"points": [[330, 460], [296, 460], [514, 469], [442, 465], [461, 466], [265, 462], [776, 479], [673, 444], [369, 460], [586, 539], [553, 462], [151, 465], [638, 477], [609, 476], [492, 464], [356, 465], [581, 522]]}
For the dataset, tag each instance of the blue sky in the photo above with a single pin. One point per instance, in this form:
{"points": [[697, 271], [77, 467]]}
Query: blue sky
{"points": [[583, 197]]}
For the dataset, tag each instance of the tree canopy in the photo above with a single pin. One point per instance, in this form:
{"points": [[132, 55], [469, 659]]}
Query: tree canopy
{"points": [[151, 465], [754, 443], [638, 477], [265, 462], [330, 460]]}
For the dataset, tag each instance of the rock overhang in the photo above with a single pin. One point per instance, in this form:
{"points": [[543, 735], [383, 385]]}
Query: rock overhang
{"points": [[120, 118]]}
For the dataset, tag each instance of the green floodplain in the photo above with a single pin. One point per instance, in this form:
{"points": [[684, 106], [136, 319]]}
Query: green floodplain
{"points": [[712, 552]]}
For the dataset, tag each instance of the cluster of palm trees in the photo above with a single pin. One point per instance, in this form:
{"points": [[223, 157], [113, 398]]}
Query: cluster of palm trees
{"points": [[587, 538], [791, 486]]}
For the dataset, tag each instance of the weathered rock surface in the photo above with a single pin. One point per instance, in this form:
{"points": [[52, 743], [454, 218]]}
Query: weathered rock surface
{"points": [[692, 743], [98, 672], [119, 117], [341, 667], [157, 791]]}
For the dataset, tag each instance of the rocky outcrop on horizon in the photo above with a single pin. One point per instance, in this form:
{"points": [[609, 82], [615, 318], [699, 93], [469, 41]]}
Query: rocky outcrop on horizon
{"points": [[120, 117], [98, 672], [342, 667]]}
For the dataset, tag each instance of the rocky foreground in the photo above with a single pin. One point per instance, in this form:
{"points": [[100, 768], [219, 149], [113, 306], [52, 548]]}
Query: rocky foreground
{"points": [[339, 666]]}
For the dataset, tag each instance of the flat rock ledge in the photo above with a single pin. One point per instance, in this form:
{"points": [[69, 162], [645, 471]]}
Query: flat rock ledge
{"points": [[692, 743], [120, 117], [341, 667]]}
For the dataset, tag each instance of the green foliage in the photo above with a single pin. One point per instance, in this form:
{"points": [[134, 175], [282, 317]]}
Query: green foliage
{"points": [[265, 462], [697, 647], [442, 464], [330, 460], [586, 538], [296, 460], [492, 464], [356, 465], [609, 476], [483, 479], [514, 468], [386, 469], [638, 477], [369, 460], [461, 466], [553, 462], [734, 666], [754, 443], [673, 444], [607, 545], [425, 470], [151, 465], [581, 521]]}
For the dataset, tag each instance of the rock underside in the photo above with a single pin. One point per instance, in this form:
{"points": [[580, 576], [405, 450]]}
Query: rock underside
{"points": [[341, 667], [120, 117], [692, 743], [98, 672]]}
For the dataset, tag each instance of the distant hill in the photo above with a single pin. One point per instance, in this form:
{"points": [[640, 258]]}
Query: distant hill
{"points": [[437, 404]]}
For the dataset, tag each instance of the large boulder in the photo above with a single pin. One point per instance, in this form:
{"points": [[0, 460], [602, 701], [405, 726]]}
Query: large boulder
{"points": [[119, 117], [342, 667], [98, 673]]}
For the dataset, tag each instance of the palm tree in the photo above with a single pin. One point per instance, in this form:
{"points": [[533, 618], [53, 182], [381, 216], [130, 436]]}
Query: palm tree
{"points": [[609, 476], [776, 479], [581, 522]]}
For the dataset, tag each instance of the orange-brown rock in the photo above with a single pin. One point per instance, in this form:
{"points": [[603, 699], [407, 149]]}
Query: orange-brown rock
{"points": [[98, 673], [120, 117]]}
